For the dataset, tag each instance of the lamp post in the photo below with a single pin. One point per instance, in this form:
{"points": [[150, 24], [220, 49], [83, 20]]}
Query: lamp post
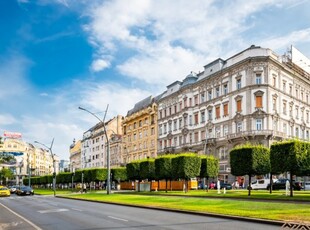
{"points": [[108, 146], [54, 163]]}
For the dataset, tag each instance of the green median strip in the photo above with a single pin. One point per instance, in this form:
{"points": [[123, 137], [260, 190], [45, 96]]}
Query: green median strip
{"points": [[279, 210]]}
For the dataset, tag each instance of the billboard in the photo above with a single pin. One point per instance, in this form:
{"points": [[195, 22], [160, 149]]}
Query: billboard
{"points": [[301, 60], [12, 135]]}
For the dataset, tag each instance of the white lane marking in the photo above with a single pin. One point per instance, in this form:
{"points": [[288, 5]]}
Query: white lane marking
{"points": [[23, 218], [116, 218], [75, 209], [53, 210]]}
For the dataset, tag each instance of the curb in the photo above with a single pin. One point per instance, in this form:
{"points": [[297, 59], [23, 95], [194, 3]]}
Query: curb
{"points": [[249, 219]]}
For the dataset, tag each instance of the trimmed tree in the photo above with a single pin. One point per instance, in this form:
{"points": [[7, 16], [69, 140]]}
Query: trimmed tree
{"points": [[133, 172], [163, 169], [209, 167], [249, 160], [147, 170], [186, 166], [290, 156]]}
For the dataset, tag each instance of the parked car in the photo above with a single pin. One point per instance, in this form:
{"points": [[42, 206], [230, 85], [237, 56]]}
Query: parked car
{"points": [[4, 191], [307, 185], [13, 188], [225, 185], [24, 190], [281, 184], [261, 184]]}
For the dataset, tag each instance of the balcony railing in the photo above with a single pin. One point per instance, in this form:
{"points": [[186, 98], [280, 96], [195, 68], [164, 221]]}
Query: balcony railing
{"points": [[257, 133]]}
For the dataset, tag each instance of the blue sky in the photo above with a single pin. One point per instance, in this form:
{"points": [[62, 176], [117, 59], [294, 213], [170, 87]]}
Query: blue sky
{"points": [[57, 55]]}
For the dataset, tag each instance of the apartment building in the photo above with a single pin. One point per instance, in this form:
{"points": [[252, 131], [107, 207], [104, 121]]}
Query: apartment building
{"points": [[254, 96], [93, 144], [30, 160], [140, 131], [75, 155]]}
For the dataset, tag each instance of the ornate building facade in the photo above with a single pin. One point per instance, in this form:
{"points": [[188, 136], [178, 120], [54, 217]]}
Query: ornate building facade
{"points": [[255, 96], [93, 145], [140, 131]]}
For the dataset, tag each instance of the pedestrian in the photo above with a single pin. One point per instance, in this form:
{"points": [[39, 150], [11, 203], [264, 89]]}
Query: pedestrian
{"points": [[133, 185], [84, 188]]}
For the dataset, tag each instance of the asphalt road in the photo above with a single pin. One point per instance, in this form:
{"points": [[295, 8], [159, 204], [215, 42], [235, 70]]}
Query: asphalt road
{"points": [[47, 212]]}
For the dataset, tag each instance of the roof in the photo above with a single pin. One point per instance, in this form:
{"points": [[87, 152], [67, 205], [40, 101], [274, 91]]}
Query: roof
{"points": [[141, 105]]}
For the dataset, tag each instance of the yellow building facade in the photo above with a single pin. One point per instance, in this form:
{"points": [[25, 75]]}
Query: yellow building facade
{"points": [[140, 131], [75, 155], [29, 159]]}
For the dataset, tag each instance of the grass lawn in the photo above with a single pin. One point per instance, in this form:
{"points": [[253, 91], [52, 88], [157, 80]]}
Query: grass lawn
{"points": [[209, 202], [279, 210]]}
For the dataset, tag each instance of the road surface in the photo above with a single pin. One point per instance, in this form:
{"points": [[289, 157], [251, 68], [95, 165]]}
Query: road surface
{"points": [[50, 213]]}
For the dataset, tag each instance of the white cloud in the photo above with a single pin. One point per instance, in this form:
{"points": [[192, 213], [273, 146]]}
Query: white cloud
{"points": [[120, 99], [166, 44], [294, 37], [13, 69], [6, 119], [99, 65]]}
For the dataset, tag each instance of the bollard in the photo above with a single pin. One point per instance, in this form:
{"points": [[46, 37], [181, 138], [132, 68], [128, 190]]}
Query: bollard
{"points": [[224, 190]]}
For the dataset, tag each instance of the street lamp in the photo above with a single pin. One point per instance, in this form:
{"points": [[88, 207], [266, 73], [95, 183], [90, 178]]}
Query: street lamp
{"points": [[54, 163], [108, 146]]}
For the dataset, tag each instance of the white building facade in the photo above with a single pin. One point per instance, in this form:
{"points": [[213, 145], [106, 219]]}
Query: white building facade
{"points": [[255, 96]]}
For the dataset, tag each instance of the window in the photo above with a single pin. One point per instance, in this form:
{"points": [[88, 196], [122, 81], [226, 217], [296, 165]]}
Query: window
{"points": [[297, 112], [165, 128], [218, 131], [258, 79], [217, 91], [175, 109], [239, 127], [190, 120], [225, 130], [284, 87], [175, 125], [239, 107], [180, 123], [140, 123], [274, 104], [259, 124], [259, 101], [180, 106], [185, 102], [202, 116], [291, 89], [274, 82], [291, 110], [190, 102], [296, 132], [209, 95], [217, 112], [284, 108], [203, 135], [170, 127], [225, 108], [196, 119], [202, 96], [297, 93], [170, 111], [239, 83], [209, 114], [225, 89], [134, 125], [196, 137], [196, 100]]}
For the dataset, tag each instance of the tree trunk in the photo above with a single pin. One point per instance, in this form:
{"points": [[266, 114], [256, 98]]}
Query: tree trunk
{"points": [[291, 184], [166, 185], [249, 186], [271, 183]]}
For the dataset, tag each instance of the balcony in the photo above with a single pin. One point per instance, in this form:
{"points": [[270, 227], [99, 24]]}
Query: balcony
{"points": [[254, 133]]}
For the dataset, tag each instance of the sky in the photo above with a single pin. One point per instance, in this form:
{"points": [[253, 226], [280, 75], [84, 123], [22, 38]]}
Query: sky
{"points": [[57, 55]]}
